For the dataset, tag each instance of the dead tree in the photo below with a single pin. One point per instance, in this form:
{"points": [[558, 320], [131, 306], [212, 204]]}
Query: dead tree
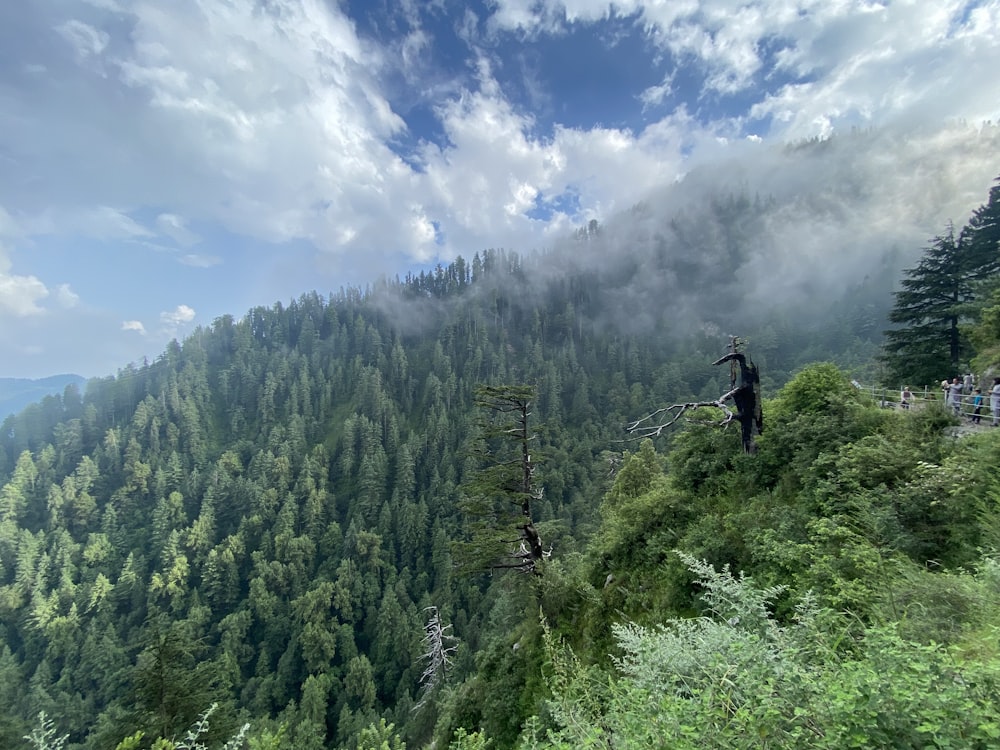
{"points": [[439, 649], [741, 403]]}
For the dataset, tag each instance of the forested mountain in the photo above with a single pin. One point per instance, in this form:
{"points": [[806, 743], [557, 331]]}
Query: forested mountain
{"points": [[267, 516], [17, 393]]}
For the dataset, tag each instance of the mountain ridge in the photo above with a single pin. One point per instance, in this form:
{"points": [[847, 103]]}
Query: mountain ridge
{"points": [[17, 393]]}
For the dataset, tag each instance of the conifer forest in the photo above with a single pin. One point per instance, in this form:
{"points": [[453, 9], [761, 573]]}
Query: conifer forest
{"points": [[409, 515]]}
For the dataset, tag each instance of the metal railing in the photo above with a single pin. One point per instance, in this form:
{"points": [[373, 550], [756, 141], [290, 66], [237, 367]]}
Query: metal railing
{"points": [[890, 398]]}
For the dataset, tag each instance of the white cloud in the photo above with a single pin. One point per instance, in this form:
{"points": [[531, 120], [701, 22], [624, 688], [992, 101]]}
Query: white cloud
{"points": [[857, 61], [20, 295], [134, 325], [174, 318], [272, 124], [494, 172], [85, 39], [176, 228], [66, 297], [279, 105], [246, 115], [97, 222]]}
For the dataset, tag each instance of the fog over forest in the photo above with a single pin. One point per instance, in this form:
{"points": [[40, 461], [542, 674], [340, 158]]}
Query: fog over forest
{"points": [[823, 215], [770, 231]]}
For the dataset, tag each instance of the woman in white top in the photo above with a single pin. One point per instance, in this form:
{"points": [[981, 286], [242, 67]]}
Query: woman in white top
{"points": [[955, 395]]}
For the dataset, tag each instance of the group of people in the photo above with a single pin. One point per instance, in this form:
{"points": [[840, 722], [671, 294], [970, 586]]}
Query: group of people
{"points": [[963, 391]]}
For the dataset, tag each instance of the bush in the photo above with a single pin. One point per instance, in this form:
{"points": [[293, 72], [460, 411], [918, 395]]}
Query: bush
{"points": [[735, 678]]}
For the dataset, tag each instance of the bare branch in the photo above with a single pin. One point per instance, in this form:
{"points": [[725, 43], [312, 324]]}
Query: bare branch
{"points": [[439, 648], [639, 429], [744, 394]]}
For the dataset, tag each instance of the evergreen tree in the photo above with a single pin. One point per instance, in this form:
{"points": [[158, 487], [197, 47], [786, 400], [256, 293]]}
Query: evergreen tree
{"points": [[982, 233], [170, 683], [931, 307], [499, 497]]}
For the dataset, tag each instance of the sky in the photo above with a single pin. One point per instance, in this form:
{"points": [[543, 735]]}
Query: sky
{"points": [[166, 163]]}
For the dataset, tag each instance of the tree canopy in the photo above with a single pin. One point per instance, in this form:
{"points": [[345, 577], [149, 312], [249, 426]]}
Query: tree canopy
{"points": [[937, 297]]}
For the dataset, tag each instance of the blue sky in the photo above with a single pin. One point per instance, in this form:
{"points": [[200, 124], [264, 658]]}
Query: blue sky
{"points": [[162, 164]]}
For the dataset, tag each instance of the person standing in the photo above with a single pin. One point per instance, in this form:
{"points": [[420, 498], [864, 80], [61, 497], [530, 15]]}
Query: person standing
{"points": [[977, 406], [905, 397], [995, 401], [955, 395]]}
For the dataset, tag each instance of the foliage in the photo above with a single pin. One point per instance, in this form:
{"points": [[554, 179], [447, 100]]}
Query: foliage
{"points": [[940, 296], [380, 737], [737, 678], [928, 307], [500, 494], [44, 735], [194, 739], [984, 330], [636, 474], [815, 391], [469, 741]]}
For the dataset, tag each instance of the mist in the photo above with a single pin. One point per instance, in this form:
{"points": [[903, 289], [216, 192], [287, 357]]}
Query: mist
{"points": [[756, 240], [781, 231]]}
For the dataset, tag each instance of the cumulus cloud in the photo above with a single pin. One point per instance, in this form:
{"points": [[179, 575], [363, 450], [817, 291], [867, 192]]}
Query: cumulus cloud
{"points": [[823, 65], [274, 121], [20, 295], [248, 116], [174, 318], [171, 322]]}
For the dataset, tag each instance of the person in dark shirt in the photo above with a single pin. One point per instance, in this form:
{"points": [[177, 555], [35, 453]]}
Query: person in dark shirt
{"points": [[977, 406]]}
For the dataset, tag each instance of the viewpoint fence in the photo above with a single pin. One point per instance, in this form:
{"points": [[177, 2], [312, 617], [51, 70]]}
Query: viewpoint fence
{"points": [[889, 398]]}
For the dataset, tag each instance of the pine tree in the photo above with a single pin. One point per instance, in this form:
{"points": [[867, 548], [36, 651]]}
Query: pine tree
{"points": [[929, 343], [498, 498], [982, 233]]}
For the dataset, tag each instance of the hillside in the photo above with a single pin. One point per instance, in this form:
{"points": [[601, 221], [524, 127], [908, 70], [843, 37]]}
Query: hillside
{"points": [[262, 519]]}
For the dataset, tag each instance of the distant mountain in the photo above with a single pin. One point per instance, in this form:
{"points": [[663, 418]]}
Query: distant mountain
{"points": [[17, 393]]}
